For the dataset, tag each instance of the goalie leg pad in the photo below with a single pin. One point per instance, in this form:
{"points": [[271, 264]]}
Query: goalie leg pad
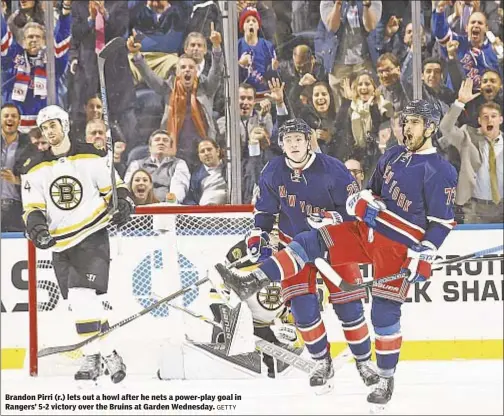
{"points": [[385, 316], [306, 312]]}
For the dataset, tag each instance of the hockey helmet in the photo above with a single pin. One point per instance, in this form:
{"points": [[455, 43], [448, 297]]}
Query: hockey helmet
{"points": [[294, 125], [424, 109], [54, 112]]}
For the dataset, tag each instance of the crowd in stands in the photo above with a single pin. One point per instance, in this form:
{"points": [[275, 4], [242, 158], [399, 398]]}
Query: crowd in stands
{"points": [[344, 66]]}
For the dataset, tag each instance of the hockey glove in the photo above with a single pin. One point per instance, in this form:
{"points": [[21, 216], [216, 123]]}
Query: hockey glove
{"points": [[125, 207], [419, 262], [285, 333], [40, 236], [365, 206], [321, 219], [258, 245]]}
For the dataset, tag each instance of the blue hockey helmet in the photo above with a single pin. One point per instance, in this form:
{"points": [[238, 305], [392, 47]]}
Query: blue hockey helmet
{"points": [[424, 109], [297, 125]]}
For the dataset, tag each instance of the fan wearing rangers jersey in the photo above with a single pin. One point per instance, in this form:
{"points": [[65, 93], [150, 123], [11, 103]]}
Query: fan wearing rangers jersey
{"points": [[67, 193], [401, 222], [308, 190]]}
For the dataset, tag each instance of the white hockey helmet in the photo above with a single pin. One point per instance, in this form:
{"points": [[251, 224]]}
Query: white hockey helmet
{"points": [[54, 112]]}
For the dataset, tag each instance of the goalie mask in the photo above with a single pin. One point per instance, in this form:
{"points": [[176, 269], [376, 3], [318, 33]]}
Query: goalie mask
{"points": [[415, 135], [294, 139], [54, 112]]}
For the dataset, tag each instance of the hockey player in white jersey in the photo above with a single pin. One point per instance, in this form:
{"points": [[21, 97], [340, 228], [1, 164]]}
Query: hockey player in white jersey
{"points": [[67, 194]]}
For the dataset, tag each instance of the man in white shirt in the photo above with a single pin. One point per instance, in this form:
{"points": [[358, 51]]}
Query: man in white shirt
{"points": [[170, 175], [208, 183], [480, 186]]}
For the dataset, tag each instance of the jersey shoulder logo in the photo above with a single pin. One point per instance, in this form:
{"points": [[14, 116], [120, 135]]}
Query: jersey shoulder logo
{"points": [[66, 192]]}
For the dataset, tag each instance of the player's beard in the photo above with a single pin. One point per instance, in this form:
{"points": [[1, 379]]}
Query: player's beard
{"points": [[413, 143]]}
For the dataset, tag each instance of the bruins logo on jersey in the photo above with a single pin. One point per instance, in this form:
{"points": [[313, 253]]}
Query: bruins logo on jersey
{"points": [[270, 297], [66, 192]]}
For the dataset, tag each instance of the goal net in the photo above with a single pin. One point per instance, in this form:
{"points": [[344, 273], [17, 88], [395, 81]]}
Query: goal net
{"points": [[159, 251]]}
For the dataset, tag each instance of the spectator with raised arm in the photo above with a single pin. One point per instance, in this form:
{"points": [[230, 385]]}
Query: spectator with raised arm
{"points": [[95, 23], [480, 186], [24, 67], [161, 25], [303, 70], [391, 85], [29, 11], [362, 112], [256, 55], [475, 51], [490, 86], [256, 127], [342, 37], [189, 98]]}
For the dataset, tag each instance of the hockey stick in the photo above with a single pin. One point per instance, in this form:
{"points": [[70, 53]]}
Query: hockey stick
{"points": [[475, 256], [65, 348], [109, 50], [326, 269]]}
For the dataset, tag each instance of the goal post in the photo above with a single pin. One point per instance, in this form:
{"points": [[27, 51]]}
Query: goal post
{"points": [[161, 249]]}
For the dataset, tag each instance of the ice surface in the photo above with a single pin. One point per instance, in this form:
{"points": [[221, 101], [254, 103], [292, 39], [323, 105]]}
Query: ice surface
{"points": [[422, 387]]}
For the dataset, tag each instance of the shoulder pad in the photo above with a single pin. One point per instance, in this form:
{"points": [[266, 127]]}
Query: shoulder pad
{"points": [[34, 158], [88, 148]]}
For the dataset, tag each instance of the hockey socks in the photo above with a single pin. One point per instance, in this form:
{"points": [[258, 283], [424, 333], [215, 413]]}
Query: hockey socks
{"points": [[357, 336], [387, 348], [305, 309]]}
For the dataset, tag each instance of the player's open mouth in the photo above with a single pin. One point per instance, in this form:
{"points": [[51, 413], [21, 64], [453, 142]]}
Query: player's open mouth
{"points": [[488, 90], [489, 127]]}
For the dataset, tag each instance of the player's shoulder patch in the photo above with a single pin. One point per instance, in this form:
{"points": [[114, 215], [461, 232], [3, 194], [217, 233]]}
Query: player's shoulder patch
{"points": [[33, 160], [88, 148]]}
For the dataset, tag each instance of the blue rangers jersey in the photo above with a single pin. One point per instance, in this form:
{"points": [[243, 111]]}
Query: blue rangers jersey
{"points": [[419, 192], [324, 184]]}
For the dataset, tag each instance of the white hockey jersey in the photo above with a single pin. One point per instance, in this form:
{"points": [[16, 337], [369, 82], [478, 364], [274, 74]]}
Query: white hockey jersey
{"points": [[72, 191]]}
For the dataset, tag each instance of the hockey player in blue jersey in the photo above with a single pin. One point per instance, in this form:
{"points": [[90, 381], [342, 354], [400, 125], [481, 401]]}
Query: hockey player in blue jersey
{"points": [[402, 219], [308, 190]]}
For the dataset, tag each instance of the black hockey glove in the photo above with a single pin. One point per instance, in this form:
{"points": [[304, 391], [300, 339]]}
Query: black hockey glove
{"points": [[40, 236], [125, 207]]}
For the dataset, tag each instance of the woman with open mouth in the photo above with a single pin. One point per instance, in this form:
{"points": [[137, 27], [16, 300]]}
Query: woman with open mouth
{"points": [[141, 187], [320, 114], [362, 111]]}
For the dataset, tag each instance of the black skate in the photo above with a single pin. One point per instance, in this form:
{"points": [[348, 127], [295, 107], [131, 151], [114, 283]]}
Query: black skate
{"points": [[115, 367], [367, 372], [322, 378], [90, 369], [244, 285], [382, 393]]}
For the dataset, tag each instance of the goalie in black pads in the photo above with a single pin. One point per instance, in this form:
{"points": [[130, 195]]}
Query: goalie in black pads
{"points": [[67, 193]]}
